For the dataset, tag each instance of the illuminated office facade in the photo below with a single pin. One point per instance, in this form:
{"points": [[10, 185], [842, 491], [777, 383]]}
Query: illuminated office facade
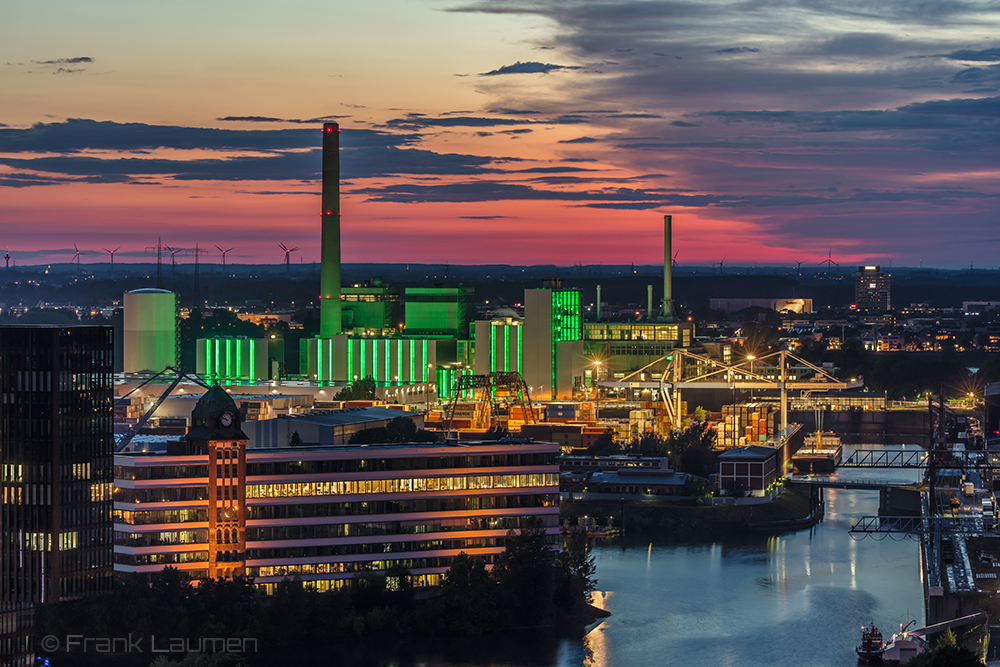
{"points": [[872, 289], [327, 514], [55, 471]]}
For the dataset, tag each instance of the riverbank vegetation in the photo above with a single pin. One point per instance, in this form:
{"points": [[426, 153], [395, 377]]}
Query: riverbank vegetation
{"points": [[529, 585], [689, 449]]}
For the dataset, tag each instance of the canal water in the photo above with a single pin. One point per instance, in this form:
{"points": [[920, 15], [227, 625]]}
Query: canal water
{"points": [[792, 599]]}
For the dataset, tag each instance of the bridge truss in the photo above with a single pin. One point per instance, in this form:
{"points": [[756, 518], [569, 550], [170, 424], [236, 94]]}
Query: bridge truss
{"points": [[781, 371]]}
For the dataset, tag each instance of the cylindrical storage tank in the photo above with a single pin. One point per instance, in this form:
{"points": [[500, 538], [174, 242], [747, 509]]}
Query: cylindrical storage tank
{"points": [[150, 330]]}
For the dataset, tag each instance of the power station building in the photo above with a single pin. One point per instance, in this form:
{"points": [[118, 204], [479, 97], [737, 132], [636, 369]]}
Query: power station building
{"points": [[553, 340], [440, 311], [150, 342]]}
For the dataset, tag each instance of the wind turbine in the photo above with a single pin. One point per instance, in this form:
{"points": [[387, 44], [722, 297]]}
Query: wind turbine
{"points": [[77, 257], [112, 253], [673, 260], [288, 252], [223, 258], [6, 258], [829, 260], [173, 259], [722, 263], [798, 266]]}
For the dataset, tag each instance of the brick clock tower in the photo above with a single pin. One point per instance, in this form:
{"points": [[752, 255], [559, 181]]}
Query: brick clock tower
{"points": [[215, 430]]}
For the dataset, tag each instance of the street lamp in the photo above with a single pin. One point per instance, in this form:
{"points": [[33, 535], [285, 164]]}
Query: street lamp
{"points": [[751, 358]]}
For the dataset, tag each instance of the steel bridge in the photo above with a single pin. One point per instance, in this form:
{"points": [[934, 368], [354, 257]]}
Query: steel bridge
{"points": [[914, 459], [781, 371]]}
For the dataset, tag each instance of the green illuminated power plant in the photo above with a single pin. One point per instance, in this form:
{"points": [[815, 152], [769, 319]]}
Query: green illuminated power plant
{"points": [[329, 279]]}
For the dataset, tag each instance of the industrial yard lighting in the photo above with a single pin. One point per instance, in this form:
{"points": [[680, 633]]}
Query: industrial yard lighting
{"points": [[597, 387], [751, 358]]}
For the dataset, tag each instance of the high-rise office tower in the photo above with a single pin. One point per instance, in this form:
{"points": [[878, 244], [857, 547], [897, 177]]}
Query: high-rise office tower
{"points": [[871, 289], [56, 444]]}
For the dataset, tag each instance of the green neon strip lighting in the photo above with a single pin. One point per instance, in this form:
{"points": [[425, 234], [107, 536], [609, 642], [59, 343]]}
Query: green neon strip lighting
{"points": [[229, 358], [506, 349], [388, 362], [329, 366], [493, 348], [216, 358], [424, 358], [519, 349], [208, 358], [239, 358], [399, 358], [375, 360], [409, 344], [362, 358], [252, 346], [319, 358], [350, 358]]}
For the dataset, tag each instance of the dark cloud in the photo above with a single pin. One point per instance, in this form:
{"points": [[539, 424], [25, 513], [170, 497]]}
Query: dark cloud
{"points": [[485, 217], [681, 123], [269, 119], [415, 121], [81, 134], [418, 121], [579, 140], [515, 112], [364, 154], [737, 50], [65, 61], [367, 162], [987, 107], [528, 68], [986, 55], [550, 170]]}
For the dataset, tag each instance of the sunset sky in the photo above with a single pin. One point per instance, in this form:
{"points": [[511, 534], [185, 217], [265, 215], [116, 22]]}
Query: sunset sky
{"points": [[505, 131]]}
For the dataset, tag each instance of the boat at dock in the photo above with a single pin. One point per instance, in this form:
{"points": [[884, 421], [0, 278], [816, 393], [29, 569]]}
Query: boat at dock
{"points": [[821, 453], [872, 646]]}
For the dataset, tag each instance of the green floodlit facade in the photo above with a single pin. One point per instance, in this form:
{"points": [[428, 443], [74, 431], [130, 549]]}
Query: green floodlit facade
{"points": [[439, 311], [445, 379], [232, 359], [500, 346], [553, 342], [150, 330], [370, 308], [389, 361], [626, 347]]}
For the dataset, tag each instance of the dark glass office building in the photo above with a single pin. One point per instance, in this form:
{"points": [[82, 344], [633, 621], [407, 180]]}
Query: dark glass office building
{"points": [[56, 451]]}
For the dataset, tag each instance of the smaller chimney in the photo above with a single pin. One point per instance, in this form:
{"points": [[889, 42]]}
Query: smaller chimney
{"points": [[649, 303], [598, 303]]}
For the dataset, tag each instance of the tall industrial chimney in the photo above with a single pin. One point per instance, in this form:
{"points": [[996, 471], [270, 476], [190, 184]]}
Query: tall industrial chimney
{"points": [[598, 303], [329, 278], [667, 311], [649, 303]]}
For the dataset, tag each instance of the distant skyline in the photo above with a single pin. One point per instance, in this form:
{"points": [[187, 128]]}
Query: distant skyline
{"points": [[505, 131]]}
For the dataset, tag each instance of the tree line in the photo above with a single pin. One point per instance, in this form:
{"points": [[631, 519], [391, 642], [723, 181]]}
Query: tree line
{"points": [[529, 585]]}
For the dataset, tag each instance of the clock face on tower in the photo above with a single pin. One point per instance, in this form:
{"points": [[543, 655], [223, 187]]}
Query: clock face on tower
{"points": [[226, 419]]}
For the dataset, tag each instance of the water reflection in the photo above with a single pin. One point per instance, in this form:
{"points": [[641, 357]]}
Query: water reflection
{"points": [[790, 599]]}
